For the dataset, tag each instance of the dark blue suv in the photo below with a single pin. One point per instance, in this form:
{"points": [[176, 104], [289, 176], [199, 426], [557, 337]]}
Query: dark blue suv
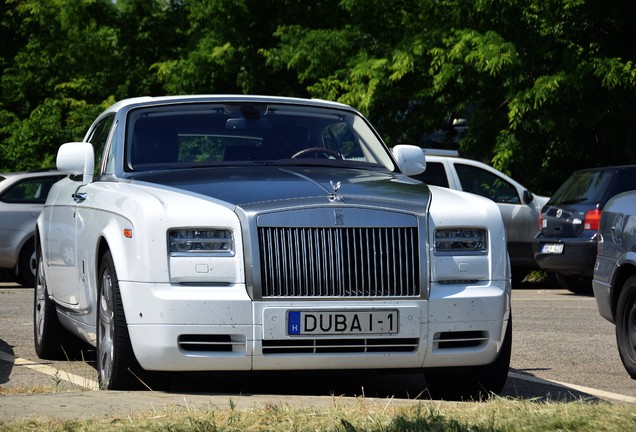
{"points": [[569, 223], [615, 274]]}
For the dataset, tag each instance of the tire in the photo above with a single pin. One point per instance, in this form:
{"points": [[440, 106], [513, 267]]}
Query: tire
{"points": [[27, 265], [576, 285], [626, 326], [476, 383], [117, 366], [48, 333]]}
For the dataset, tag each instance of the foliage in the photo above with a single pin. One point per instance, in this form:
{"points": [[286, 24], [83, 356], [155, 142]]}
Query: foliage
{"points": [[543, 85]]}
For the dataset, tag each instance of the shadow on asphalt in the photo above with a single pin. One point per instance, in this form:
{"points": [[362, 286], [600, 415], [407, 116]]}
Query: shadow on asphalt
{"points": [[355, 384], [546, 283], [5, 366]]}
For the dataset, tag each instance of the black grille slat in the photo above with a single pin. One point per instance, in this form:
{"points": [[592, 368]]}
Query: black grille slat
{"points": [[339, 262], [336, 346], [459, 339]]}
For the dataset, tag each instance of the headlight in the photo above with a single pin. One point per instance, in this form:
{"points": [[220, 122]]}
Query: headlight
{"points": [[208, 241], [458, 241]]}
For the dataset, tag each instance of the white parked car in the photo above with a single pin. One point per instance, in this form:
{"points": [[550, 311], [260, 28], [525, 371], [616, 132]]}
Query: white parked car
{"points": [[519, 207], [236, 233]]}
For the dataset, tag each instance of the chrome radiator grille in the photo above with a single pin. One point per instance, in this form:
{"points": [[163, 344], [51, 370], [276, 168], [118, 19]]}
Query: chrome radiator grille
{"points": [[339, 262]]}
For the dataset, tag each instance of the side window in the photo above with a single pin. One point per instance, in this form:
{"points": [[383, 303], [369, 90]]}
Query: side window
{"points": [[486, 184], [31, 191], [109, 169], [434, 174], [99, 138], [627, 181]]}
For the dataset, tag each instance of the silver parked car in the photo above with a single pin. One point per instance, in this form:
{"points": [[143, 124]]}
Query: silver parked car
{"points": [[22, 196], [615, 273], [520, 208]]}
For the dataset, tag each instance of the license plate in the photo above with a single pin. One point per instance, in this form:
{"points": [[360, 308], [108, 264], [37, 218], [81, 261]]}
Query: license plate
{"points": [[552, 248], [342, 323]]}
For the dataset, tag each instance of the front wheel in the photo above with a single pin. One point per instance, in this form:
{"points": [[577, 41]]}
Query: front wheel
{"points": [[117, 366], [27, 265], [51, 340], [626, 326], [476, 383], [47, 330]]}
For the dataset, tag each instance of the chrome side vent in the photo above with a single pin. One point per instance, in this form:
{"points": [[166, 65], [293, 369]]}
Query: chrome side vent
{"points": [[339, 262], [333, 346], [211, 343], [462, 339], [457, 281]]}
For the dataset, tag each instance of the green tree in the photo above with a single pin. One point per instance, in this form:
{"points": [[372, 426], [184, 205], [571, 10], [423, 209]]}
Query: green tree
{"points": [[69, 57], [59, 66], [377, 61], [553, 82], [545, 85], [148, 32], [221, 53]]}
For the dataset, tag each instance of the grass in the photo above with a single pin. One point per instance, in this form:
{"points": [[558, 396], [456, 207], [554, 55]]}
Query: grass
{"points": [[495, 415], [18, 391]]}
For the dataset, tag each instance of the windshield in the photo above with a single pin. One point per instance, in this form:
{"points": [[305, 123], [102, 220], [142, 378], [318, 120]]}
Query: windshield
{"points": [[191, 135], [584, 187]]}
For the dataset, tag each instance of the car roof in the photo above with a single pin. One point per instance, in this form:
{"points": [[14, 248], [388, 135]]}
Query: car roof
{"points": [[34, 173], [18, 175], [438, 157], [162, 100], [608, 168], [440, 152]]}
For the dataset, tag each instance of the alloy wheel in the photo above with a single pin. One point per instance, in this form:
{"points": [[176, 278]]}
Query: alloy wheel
{"points": [[40, 302], [105, 346]]}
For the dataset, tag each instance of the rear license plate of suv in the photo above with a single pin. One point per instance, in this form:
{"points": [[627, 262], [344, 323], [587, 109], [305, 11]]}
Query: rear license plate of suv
{"points": [[552, 248]]}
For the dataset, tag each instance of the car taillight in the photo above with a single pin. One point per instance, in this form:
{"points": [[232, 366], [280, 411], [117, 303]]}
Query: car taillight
{"points": [[592, 220], [540, 222]]}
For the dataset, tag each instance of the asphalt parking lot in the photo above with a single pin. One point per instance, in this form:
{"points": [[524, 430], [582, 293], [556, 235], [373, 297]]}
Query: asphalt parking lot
{"points": [[562, 350]]}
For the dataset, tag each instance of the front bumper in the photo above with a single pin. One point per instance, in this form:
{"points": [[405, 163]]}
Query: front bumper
{"points": [[179, 328], [602, 294], [602, 285], [576, 259]]}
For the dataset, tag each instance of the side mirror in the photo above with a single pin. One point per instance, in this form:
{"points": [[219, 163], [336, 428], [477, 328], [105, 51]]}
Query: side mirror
{"points": [[77, 158], [527, 196], [410, 159]]}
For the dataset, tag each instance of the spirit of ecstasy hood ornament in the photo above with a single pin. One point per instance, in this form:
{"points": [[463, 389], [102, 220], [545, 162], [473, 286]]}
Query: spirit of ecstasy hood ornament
{"points": [[333, 196]]}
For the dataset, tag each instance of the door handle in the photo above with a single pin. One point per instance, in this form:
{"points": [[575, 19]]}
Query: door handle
{"points": [[78, 196]]}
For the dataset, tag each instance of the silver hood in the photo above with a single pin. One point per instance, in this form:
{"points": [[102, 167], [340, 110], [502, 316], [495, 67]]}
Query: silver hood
{"points": [[248, 185]]}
